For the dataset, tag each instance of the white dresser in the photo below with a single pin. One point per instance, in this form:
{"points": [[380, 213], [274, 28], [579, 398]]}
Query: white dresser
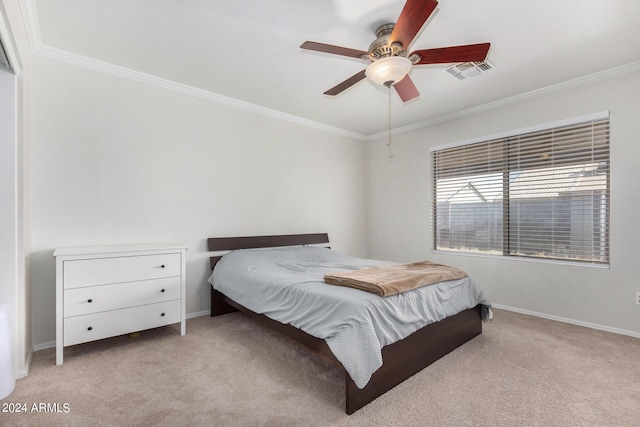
{"points": [[104, 291]]}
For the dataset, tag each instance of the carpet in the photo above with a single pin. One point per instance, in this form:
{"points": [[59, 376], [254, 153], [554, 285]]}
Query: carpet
{"points": [[232, 371]]}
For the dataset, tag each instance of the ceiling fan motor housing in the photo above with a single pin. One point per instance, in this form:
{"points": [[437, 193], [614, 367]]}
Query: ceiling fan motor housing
{"points": [[380, 47]]}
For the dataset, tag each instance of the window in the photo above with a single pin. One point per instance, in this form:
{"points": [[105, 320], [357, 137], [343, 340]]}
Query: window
{"points": [[541, 193]]}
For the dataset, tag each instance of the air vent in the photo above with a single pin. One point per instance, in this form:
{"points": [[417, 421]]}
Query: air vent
{"points": [[469, 69]]}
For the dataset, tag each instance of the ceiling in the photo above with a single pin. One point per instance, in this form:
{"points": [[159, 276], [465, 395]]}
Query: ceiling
{"points": [[248, 50]]}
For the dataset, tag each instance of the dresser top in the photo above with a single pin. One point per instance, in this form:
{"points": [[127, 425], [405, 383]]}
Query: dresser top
{"points": [[110, 249]]}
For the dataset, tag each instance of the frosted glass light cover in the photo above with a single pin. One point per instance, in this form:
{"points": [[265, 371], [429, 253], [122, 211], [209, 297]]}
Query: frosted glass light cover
{"points": [[390, 69]]}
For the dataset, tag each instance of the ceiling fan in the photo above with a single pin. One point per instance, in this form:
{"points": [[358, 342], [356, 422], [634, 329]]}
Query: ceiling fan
{"points": [[388, 54]]}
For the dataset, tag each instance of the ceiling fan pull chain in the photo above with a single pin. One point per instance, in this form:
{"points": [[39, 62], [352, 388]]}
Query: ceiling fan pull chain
{"points": [[389, 125]]}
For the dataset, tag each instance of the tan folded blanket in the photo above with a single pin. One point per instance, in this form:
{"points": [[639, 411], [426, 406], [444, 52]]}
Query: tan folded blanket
{"points": [[395, 279]]}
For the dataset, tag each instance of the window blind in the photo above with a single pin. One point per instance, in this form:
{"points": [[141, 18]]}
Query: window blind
{"points": [[542, 194]]}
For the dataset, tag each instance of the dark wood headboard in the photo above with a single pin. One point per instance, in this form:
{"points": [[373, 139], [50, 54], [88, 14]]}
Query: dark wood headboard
{"points": [[248, 242]]}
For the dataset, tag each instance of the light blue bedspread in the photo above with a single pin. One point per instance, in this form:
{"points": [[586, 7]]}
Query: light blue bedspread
{"points": [[287, 285]]}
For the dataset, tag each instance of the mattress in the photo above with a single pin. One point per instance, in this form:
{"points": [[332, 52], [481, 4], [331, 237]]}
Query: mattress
{"points": [[286, 284]]}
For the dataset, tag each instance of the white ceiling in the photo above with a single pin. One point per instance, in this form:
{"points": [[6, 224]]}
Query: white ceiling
{"points": [[248, 50]]}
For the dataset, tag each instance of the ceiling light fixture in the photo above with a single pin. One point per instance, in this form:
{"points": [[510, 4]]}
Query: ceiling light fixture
{"points": [[388, 71]]}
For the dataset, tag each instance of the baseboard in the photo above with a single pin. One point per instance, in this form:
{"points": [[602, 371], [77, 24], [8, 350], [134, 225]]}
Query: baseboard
{"points": [[25, 372], [51, 344], [44, 345], [199, 314], [567, 320]]}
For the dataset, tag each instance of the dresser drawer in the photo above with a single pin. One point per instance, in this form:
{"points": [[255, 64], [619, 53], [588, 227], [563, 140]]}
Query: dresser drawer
{"points": [[94, 299], [102, 271], [96, 326]]}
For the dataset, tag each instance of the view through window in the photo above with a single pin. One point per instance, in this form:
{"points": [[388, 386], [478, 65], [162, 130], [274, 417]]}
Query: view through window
{"points": [[542, 194]]}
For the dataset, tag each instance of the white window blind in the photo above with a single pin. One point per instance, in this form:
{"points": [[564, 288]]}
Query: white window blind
{"points": [[542, 194]]}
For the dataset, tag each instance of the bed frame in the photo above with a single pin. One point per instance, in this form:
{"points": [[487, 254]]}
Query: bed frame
{"points": [[401, 360]]}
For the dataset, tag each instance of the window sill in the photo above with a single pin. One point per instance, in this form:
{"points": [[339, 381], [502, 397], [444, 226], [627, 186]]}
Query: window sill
{"points": [[525, 259]]}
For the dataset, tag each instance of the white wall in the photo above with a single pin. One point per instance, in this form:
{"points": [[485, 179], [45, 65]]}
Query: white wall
{"points": [[118, 161], [399, 206]]}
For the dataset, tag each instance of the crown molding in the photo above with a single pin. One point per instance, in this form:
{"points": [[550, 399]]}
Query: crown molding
{"points": [[93, 64], [35, 40], [115, 70], [559, 87], [31, 23]]}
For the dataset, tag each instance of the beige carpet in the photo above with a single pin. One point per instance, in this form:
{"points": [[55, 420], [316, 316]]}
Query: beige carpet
{"points": [[230, 371]]}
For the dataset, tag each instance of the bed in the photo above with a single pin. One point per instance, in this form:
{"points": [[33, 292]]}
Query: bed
{"points": [[399, 358]]}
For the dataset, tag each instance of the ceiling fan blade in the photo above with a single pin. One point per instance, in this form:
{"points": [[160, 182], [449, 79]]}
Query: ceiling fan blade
{"points": [[444, 55], [406, 89], [336, 50], [346, 84], [413, 16]]}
